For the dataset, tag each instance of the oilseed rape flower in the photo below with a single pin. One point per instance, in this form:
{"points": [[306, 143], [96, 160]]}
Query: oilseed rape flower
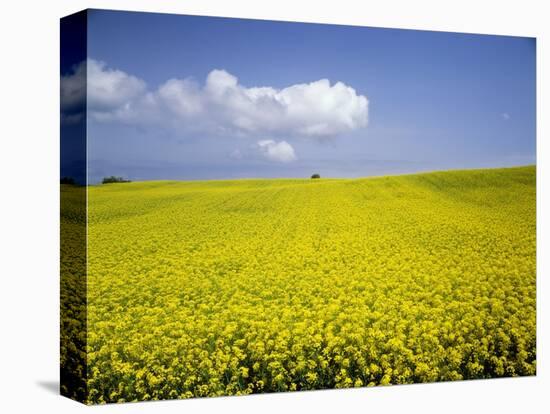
{"points": [[209, 288]]}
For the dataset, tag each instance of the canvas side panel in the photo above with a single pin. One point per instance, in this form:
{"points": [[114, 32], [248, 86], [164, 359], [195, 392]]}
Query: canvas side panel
{"points": [[73, 183]]}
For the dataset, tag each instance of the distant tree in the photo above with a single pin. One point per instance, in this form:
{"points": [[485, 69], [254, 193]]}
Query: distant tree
{"points": [[113, 179], [315, 176], [68, 180]]}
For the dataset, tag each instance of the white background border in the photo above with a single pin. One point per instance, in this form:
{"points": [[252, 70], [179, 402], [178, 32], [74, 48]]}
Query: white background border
{"points": [[29, 202]]}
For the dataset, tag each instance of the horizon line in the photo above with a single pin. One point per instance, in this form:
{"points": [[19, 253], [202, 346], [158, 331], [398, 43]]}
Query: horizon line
{"points": [[324, 178]]}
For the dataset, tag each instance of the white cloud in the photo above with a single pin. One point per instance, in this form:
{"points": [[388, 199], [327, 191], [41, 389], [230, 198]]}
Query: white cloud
{"points": [[222, 105], [110, 88], [277, 151], [107, 93], [112, 93], [505, 116], [73, 90]]}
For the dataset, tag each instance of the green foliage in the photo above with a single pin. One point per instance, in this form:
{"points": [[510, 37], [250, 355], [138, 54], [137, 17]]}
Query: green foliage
{"points": [[113, 179], [249, 286], [68, 180], [315, 176]]}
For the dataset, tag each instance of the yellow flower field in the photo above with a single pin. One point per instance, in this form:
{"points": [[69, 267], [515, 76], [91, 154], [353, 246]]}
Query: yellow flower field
{"points": [[208, 288]]}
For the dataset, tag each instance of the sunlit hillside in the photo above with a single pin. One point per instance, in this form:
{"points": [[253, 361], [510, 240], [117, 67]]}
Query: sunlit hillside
{"points": [[203, 288]]}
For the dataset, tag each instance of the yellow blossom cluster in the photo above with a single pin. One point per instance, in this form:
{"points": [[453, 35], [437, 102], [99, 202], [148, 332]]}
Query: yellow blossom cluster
{"points": [[209, 288], [73, 332]]}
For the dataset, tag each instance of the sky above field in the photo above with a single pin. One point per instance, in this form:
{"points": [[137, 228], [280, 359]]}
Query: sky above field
{"points": [[181, 97]]}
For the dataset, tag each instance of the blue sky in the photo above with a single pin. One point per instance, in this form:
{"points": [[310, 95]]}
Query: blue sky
{"points": [[175, 99]]}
